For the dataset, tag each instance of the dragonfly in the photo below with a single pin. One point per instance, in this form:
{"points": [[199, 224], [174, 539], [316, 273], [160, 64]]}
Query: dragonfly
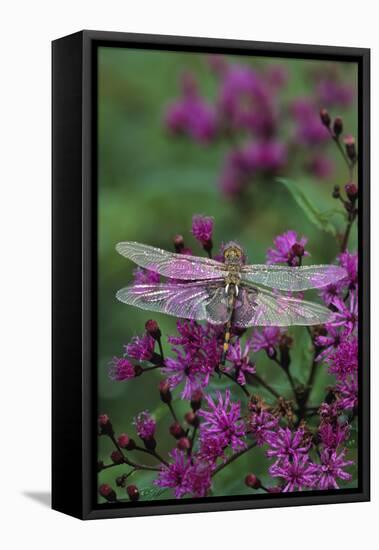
{"points": [[227, 292]]}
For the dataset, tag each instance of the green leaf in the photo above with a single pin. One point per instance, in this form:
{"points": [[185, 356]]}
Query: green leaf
{"points": [[318, 218]]}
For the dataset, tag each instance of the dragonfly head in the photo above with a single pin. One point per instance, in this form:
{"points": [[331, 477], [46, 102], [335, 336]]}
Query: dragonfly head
{"points": [[233, 254]]}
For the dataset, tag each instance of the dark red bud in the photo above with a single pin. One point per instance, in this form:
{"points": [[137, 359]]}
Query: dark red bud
{"points": [[208, 245], [153, 329], [184, 444], [133, 492], [150, 443], [176, 430], [100, 465], [298, 249], [123, 440], [336, 192], [105, 426], [196, 399], [107, 492], [191, 418], [178, 243], [351, 191], [117, 457], [120, 481], [325, 118], [337, 126], [165, 392], [252, 481], [351, 151]]}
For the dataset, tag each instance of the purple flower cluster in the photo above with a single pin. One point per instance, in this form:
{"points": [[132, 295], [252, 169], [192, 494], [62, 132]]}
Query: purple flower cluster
{"points": [[288, 248], [184, 476], [304, 451], [249, 111], [222, 422], [197, 353]]}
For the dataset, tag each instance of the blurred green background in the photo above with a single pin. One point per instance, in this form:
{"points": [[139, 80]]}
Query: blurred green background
{"points": [[150, 185]]}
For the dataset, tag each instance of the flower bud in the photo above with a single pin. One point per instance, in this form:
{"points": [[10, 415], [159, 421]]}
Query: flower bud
{"points": [[165, 392], [123, 440], [252, 481], [178, 243], [117, 457], [184, 444], [298, 249], [100, 465], [105, 426], [153, 329], [150, 443], [133, 492], [120, 481], [336, 192], [337, 126], [325, 118], [196, 400], [107, 492], [176, 430], [192, 419], [351, 191], [351, 151]]}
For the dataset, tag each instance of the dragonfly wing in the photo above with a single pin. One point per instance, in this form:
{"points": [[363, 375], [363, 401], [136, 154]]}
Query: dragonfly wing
{"points": [[293, 278], [260, 307], [169, 264], [187, 300]]}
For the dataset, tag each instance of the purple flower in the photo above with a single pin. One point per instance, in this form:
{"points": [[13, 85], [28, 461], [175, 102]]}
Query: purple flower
{"points": [[193, 371], [288, 249], [331, 469], [121, 369], [212, 448], [347, 392], [223, 421], [174, 476], [141, 348], [184, 476], [330, 292], [241, 361], [266, 339], [333, 93], [234, 175], [346, 314], [349, 261], [202, 228], [343, 361], [245, 101], [199, 478], [310, 131], [333, 434], [320, 166], [145, 276], [267, 155], [145, 425], [198, 353], [298, 474], [261, 425], [191, 114], [285, 444], [329, 341]]}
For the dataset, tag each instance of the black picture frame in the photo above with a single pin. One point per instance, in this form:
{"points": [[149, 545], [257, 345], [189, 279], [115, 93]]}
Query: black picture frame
{"points": [[74, 315]]}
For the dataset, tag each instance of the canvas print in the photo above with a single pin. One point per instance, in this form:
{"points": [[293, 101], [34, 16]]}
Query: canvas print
{"points": [[227, 359]]}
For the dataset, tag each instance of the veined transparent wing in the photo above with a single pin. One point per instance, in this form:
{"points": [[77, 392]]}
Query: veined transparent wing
{"points": [[293, 278], [260, 307], [197, 301], [169, 264]]}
